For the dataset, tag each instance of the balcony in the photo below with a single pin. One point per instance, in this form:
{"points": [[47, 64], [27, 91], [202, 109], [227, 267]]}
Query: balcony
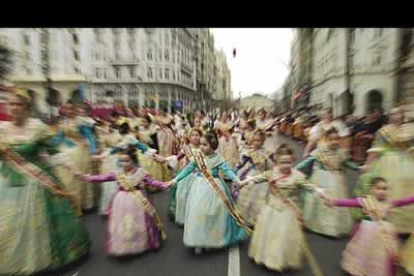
{"points": [[125, 61], [186, 68]]}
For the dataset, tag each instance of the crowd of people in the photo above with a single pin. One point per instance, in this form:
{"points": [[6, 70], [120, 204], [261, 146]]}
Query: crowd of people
{"points": [[228, 176]]}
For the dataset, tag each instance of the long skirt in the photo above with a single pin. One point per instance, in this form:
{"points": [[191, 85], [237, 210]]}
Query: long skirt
{"points": [[318, 217], [80, 158], [38, 230], [368, 253], [183, 190], [155, 170], [108, 189], [397, 169], [228, 149], [208, 224], [130, 229], [252, 198], [276, 239]]}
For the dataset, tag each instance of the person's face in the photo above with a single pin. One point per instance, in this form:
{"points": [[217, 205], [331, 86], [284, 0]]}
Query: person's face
{"points": [[81, 111], [257, 142], [285, 163], [205, 147], [195, 138], [333, 141], [145, 123], [380, 191], [197, 122], [396, 117], [328, 116], [17, 107], [125, 161], [70, 110], [262, 115]]}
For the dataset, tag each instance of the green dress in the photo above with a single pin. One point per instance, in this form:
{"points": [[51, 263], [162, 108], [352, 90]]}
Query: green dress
{"points": [[328, 173], [39, 229], [395, 163]]}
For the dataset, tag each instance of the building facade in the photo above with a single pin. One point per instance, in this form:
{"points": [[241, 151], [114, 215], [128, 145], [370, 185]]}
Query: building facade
{"points": [[158, 67], [353, 70], [223, 78]]}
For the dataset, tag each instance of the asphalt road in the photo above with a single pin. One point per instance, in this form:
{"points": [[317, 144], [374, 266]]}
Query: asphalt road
{"points": [[173, 259]]}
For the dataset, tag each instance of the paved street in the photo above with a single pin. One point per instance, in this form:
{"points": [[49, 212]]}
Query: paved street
{"points": [[173, 259]]}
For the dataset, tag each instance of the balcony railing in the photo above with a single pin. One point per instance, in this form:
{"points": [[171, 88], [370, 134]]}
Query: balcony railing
{"points": [[125, 61]]}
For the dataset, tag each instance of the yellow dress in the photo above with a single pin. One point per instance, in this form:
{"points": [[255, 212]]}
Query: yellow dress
{"points": [[276, 239], [79, 158], [156, 170]]}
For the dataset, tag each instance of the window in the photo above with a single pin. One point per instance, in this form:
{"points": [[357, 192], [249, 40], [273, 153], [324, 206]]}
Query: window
{"points": [[167, 74], [160, 54], [150, 75], [117, 72], [27, 56], [167, 38], [173, 75], [26, 40], [76, 55], [75, 39], [104, 73], [167, 55], [117, 53], [132, 71], [77, 71], [44, 55], [98, 73], [377, 59], [149, 55], [160, 73]]}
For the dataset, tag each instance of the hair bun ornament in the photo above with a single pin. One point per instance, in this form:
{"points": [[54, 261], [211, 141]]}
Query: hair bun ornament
{"points": [[22, 93]]}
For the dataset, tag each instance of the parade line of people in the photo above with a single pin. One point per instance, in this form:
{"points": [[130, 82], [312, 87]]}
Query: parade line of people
{"points": [[229, 180]]}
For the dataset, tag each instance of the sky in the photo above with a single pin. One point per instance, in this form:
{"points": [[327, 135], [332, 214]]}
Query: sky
{"points": [[261, 61]]}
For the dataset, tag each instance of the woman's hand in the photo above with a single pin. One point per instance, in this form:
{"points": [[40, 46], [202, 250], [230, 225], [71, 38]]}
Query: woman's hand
{"points": [[169, 184], [159, 158], [97, 158], [363, 169]]}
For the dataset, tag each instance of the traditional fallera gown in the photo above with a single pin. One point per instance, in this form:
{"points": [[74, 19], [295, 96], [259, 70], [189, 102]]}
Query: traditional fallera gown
{"points": [[395, 163], [373, 250], [227, 145], [77, 143], [251, 199], [39, 229], [133, 226], [179, 193], [277, 236], [271, 142], [155, 169], [208, 222], [109, 163], [328, 173], [167, 142]]}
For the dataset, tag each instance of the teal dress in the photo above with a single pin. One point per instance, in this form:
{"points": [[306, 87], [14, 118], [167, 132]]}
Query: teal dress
{"points": [[207, 222], [39, 229]]}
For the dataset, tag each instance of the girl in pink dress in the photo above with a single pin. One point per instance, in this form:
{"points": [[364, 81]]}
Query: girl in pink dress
{"points": [[373, 250], [133, 225]]}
